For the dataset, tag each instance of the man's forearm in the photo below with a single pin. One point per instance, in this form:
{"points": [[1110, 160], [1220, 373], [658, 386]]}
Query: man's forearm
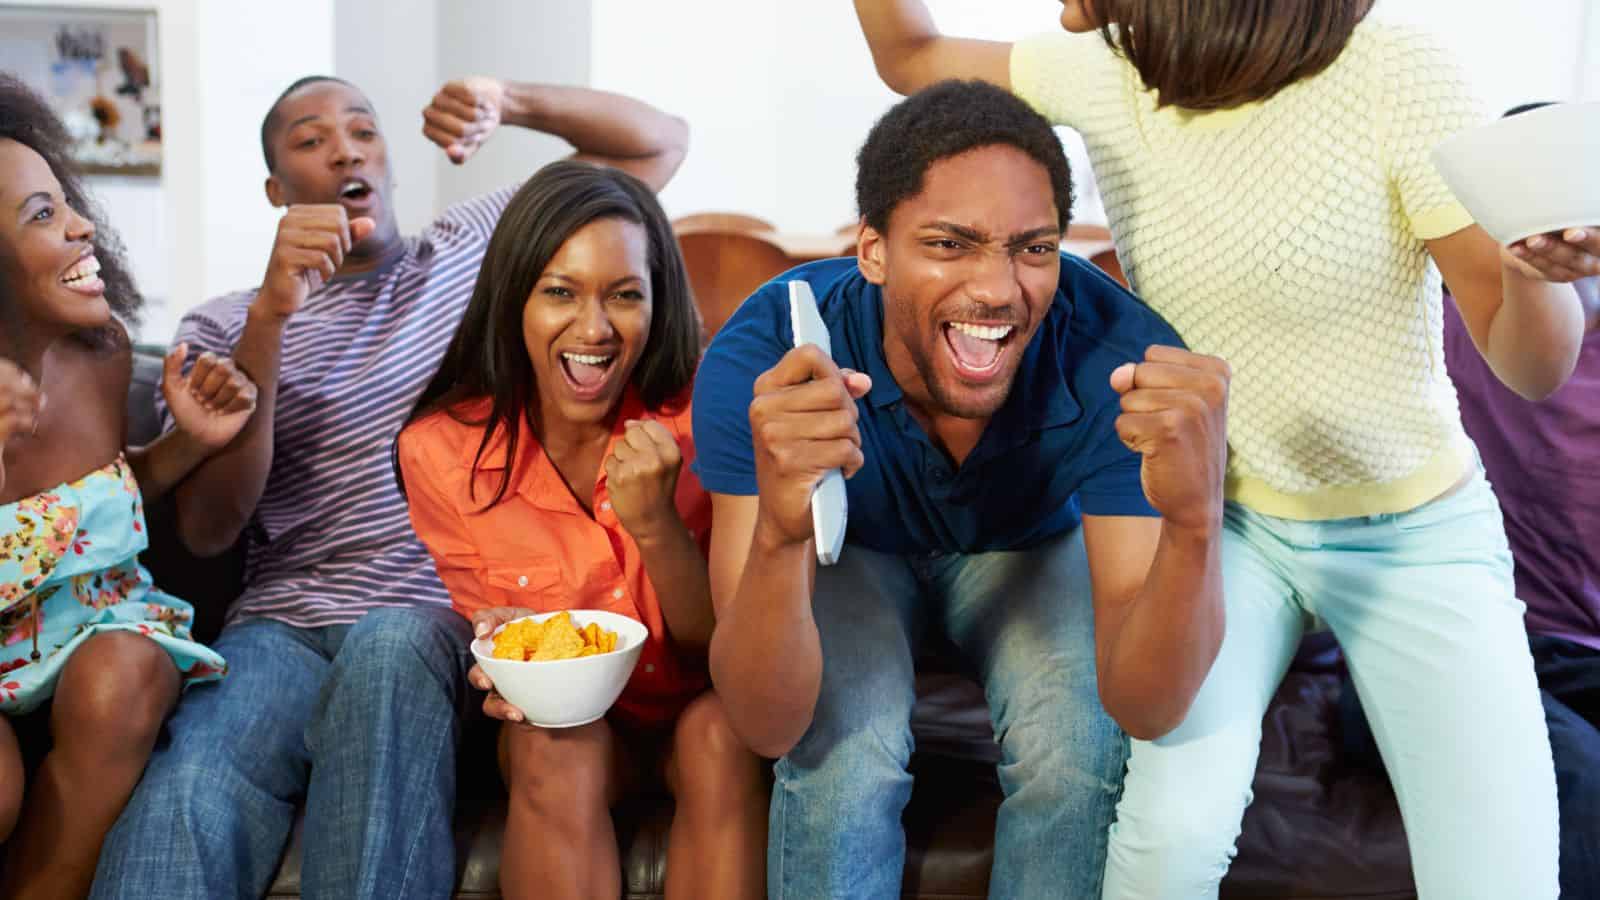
{"points": [[1168, 637], [602, 127], [766, 656], [216, 501]]}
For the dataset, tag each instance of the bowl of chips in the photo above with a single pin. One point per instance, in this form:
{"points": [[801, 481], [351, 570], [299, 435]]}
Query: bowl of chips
{"points": [[562, 669]]}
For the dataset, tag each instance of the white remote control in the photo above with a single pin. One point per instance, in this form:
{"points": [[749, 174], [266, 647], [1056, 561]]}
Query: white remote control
{"points": [[829, 511]]}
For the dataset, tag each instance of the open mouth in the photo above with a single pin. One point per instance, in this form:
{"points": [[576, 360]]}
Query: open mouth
{"points": [[587, 374], [356, 190], [978, 351], [84, 277]]}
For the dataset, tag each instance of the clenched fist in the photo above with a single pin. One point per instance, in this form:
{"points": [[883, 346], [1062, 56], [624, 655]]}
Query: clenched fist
{"points": [[463, 114], [1175, 415], [803, 422], [311, 245], [213, 402], [642, 477]]}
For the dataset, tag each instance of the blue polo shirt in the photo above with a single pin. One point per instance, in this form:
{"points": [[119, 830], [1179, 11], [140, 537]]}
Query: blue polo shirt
{"points": [[1050, 454]]}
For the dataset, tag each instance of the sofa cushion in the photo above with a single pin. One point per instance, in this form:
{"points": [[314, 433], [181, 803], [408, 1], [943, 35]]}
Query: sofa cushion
{"points": [[1317, 828], [143, 423]]}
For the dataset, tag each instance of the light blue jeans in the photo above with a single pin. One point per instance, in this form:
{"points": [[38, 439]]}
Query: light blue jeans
{"points": [[1025, 622], [360, 722], [1423, 605]]}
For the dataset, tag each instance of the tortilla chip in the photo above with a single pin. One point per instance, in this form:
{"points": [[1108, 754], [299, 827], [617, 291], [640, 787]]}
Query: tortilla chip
{"points": [[554, 638], [559, 643]]}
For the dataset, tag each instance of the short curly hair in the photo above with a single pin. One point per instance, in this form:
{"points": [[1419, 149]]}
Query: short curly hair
{"points": [[270, 121], [26, 118], [945, 120]]}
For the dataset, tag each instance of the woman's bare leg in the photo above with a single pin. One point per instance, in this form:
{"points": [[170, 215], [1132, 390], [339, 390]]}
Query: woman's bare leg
{"points": [[114, 694], [12, 776], [718, 845], [560, 842]]}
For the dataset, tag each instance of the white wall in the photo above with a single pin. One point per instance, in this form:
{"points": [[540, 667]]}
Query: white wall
{"points": [[204, 227], [726, 89], [222, 63], [515, 39], [136, 207], [777, 114], [245, 53], [389, 48], [1512, 53], [1589, 62], [542, 40]]}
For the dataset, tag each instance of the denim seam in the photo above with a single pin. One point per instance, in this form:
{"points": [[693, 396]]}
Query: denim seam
{"points": [[416, 842], [783, 834]]}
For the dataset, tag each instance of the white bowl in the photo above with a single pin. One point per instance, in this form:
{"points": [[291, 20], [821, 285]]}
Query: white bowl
{"points": [[566, 693], [1530, 173]]}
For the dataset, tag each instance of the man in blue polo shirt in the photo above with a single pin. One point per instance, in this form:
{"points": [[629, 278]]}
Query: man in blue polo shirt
{"points": [[1035, 468]]}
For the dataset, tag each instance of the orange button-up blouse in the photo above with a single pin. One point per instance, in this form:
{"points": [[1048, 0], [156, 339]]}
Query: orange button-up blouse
{"points": [[539, 549]]}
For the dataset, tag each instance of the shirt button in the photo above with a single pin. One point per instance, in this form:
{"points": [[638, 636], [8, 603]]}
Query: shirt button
{"points": [[617, 594], [649, 667], [522, 581], [605, 505]]}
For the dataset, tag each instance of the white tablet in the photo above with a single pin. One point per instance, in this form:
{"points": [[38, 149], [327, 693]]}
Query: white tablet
{"points": [[828, 507]]}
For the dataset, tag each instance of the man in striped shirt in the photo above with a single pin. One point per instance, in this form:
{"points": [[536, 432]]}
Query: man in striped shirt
{"points": [[347, 682]]}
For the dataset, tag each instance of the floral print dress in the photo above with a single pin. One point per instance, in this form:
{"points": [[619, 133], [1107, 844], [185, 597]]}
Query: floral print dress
{"points": [[69, 569]]}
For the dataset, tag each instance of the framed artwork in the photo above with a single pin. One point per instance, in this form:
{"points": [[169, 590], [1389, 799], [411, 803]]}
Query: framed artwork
{"points": [[100, 70]]}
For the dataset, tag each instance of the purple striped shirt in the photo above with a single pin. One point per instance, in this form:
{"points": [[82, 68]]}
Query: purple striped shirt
{"points": [[331, 538]]}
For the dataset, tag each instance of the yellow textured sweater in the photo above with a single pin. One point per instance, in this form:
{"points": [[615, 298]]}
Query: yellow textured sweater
{"points": [[1287, 237]]}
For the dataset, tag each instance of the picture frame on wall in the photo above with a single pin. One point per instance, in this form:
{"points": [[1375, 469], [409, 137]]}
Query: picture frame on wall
{"points": [[100, 70]]}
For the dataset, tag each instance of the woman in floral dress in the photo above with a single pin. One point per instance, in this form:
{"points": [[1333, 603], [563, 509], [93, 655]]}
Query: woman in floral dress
{"points": [[85, 637]]}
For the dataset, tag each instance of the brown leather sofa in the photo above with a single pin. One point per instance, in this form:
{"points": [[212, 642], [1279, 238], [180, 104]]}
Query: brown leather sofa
{"points": [[1316, 831]]}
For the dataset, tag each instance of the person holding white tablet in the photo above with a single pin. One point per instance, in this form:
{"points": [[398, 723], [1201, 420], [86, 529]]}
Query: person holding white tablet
{"points": [[1270, 170], [1024, 443]]}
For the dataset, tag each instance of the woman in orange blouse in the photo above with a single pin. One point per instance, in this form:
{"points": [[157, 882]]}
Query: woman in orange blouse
{"points": [[545, 470]]}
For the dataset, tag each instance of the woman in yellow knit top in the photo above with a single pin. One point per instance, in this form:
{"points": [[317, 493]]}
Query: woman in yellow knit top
{"points": [[1266, 170]]}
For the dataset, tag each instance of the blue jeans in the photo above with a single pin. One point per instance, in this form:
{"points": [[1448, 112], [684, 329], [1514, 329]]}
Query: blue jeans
{"points": [[1025, 622], [1423, 605], [360, 722]]}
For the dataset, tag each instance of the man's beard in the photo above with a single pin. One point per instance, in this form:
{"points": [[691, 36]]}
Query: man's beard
{"points": [[953, 403]]}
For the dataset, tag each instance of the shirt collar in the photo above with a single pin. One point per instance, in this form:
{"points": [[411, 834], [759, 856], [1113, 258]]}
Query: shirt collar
{"points": [[533, 475], [866, 311]]}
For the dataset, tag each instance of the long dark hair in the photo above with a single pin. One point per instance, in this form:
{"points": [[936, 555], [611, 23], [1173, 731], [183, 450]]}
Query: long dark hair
{"points": [[488, 358], [1218, 54], [27, 119]]}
